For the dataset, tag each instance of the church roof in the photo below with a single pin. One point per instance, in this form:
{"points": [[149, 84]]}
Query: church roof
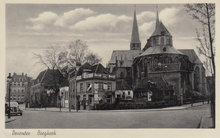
{"points": [[126, 56], [160, 28], [160, 50], [192, 55], [135, 33]]}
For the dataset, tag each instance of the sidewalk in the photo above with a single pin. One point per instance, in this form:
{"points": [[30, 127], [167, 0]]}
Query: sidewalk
{"points": [[206, 122], [54, 109], [7, 120]]}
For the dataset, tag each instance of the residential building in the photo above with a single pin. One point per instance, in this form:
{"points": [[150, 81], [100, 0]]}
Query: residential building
{"points": [[94, 85], [45, 88], [20, 88]]}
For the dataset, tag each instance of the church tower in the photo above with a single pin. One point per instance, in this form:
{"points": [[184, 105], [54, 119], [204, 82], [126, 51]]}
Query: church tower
{"points": [[135, 43], [160, 37]]}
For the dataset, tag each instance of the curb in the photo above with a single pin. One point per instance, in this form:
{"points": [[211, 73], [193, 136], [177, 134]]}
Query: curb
{"points": [[204, 123], [10, 120], [129, 110]]}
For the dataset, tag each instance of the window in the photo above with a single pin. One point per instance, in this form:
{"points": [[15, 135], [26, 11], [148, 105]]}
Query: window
{"points": [[100, 85], [129, 93], [89, 87], [121, 75], [109, 86], [162, 40], [157, 40], [81, 87]]}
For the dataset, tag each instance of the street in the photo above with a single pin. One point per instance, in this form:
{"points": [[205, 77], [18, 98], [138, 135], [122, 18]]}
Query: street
{"points": [[184, 118]]}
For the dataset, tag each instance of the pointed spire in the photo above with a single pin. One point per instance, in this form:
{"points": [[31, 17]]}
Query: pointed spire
{"points": [[135, 33], [157, 16]]}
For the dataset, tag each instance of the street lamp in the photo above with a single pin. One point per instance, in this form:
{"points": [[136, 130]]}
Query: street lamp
{"points": [[9, 79]]}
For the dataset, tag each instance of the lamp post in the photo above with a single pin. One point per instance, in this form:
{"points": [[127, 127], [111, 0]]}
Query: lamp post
{"points": [[9, 79]]}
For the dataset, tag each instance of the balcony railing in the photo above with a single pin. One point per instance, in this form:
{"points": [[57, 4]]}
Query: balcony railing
{"points": [[95, 75]]}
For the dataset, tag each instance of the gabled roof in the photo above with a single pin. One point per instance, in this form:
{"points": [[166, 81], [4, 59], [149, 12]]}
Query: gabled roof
{"points": [[51, 77], [135, 32], [96, 68], [160, 50], [126, 56], [192, 55], [160, 28]]}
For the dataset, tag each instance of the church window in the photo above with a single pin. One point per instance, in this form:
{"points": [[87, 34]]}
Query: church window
{"points": [[154, 40], [164, 49], [162, 40], [196, 79], [157, 40], [121, 75]]}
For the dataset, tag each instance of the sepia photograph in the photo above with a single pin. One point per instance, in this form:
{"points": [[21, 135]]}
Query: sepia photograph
{"points": [[110, 66]]}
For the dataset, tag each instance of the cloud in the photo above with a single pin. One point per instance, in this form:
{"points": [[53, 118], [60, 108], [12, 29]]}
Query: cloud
{"points": [[169, 16], [104, 23], [145, 16], [146, 27], [73, 16], [43, 19], [82, 20]]}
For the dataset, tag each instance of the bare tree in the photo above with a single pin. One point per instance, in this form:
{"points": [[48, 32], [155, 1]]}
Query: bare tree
{"points": [[49, 58], [59, 58], [205, 14], [92, 58]]}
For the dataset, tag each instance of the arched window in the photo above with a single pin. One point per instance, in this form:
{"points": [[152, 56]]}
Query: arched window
{"points": [[162, 40], [121, 75], [154, 40], [196, 79]]}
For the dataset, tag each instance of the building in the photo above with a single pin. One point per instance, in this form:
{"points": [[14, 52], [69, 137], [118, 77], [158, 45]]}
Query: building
{"points": [[45, 88], [174, 75], [121, 61], [123, 91], [20, 88], [198, 76], [64, 96], [94, 85]]}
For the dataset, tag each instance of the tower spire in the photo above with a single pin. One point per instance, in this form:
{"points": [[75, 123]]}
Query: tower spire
{"points": [[135, 41], [157, 16]]}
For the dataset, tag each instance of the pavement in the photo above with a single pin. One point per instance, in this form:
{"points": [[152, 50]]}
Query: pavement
{"points": [[55, 109], [185, 116], [206, 122], [7, 120]]}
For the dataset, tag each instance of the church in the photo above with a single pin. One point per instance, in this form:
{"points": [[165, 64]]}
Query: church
{"points": [[159, 70]]}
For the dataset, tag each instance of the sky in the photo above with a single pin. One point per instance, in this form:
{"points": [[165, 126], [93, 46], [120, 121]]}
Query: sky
{"points": [[32, 28]]}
